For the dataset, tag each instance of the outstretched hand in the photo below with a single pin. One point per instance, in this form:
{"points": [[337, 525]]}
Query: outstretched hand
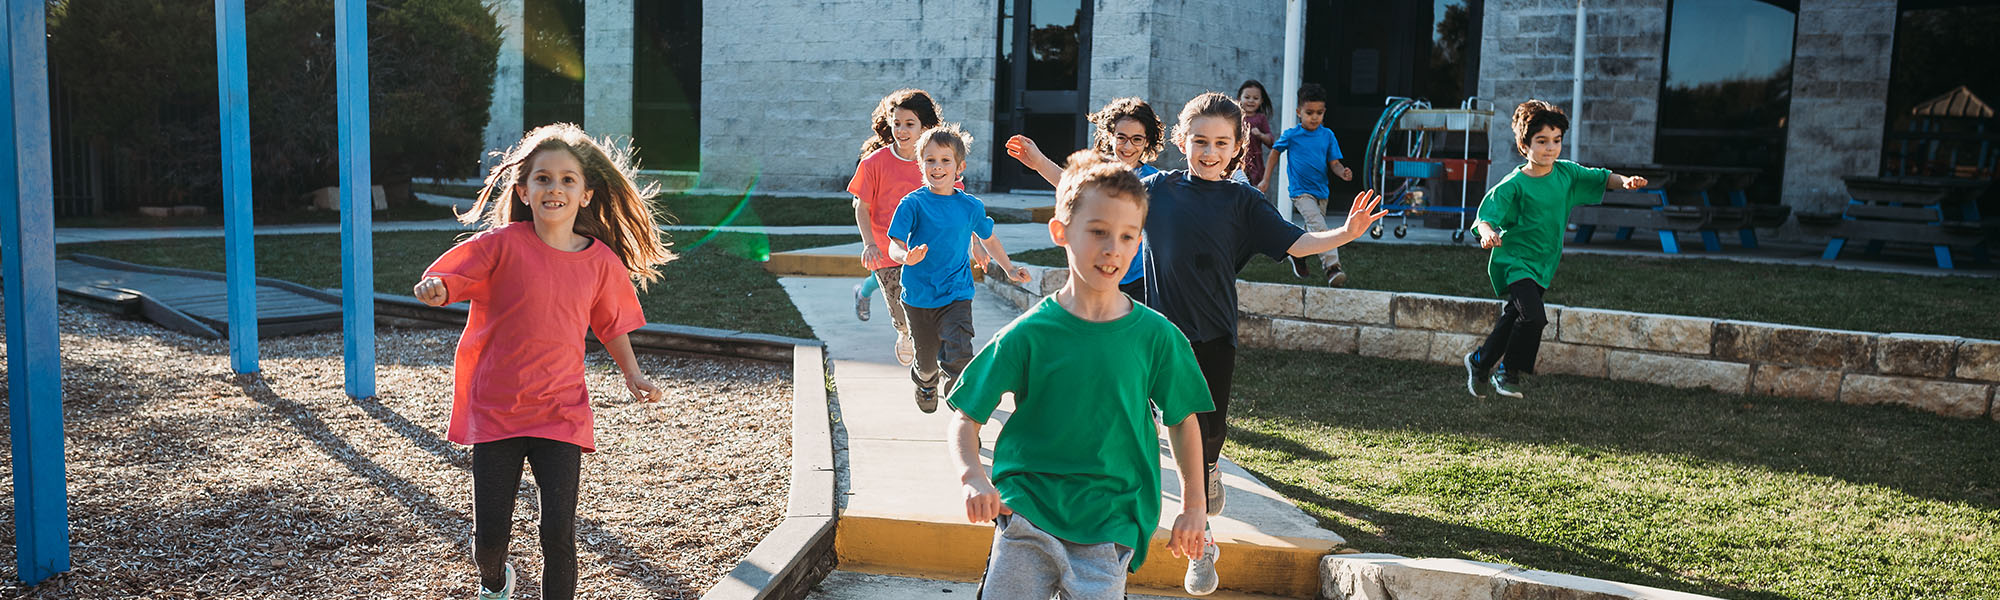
{"points": [[1364, 212], [1635, 182], [1025, 150], [431, 291], [916, 255]]}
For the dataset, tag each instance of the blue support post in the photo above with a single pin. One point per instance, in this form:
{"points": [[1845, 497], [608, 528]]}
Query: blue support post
{"points": [[1833, 247], [1710, 241], [239, 245], [1583, 233], [1749, 237], [1943, 253], [357, 242], [1668, 243], [1624, 233], [28, 270]]}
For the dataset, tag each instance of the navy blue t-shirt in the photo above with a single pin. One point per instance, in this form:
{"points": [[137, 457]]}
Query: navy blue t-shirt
{"points": [[1200, 234]]}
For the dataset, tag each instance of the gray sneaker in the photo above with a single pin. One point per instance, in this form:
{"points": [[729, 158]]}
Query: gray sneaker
{"points": [[1473, 375], [1506, 384], [1215, 495], [1201, 579], [860, 303], [506, 590]]}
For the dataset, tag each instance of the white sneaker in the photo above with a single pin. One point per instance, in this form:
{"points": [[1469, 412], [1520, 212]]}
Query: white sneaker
{"points": [[1215, 494], [507, 591], [1201, 579], [906, 348]]}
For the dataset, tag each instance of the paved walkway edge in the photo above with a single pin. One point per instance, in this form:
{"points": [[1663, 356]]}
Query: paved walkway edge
{"points": [[1388, 576], [799, 552]]}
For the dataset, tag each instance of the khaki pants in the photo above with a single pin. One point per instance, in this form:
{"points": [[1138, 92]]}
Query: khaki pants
{"points": [[1313, 211]]}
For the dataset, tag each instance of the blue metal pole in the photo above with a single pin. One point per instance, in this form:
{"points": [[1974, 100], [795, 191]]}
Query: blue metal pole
{"points": [[238, 241], [357, 251], [28, 268]]}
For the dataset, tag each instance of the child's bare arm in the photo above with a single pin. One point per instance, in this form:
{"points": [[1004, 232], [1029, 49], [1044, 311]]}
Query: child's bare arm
{"points": [[1622, 182], [1334, 166], [1359, 217], [1189, 526], [869, 252], [999, 254], [982, 501], [1270, 167], [431, 291], [636, 382], [1024, 149]]}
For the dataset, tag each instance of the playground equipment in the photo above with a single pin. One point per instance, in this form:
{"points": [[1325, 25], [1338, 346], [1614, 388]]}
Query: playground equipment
{"points": [[1411, 160]]}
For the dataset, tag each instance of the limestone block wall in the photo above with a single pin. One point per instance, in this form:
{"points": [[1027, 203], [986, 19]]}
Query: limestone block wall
{"points": [[1946, 375], [607, 65], [786, 90], [1840, 82], [1527, 49], [503, 121], [1204, 46]]}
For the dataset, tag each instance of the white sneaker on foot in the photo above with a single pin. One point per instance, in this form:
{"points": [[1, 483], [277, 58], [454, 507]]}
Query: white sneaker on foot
{"points": [[1215, 495], [506, 591], [1201, 579], [906, 348]]}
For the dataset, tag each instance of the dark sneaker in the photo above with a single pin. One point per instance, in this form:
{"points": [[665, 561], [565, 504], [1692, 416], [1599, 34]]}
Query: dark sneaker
{"points": [[860, 304], [1506, 384], [1336, 277], [1473, 374], [1215, 496], [1300, 269], [927, 399]]}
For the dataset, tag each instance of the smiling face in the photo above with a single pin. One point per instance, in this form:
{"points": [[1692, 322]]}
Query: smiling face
{"points": [[1251, 97], [554, 187], [905, 127], [1544, 146], [1209, 143], [1312, 114], [1129, 142], [1100, 238], [942, 168]]}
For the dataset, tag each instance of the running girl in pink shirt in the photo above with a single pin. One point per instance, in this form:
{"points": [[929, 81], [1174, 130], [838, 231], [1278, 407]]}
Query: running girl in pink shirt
{"points": [[558, 257]]}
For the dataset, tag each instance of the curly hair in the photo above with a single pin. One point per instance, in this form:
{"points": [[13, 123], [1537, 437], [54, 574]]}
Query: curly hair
{"points": [[1532, 116], [1214, 104], [883, 119], [624, 217], [1106, 119]]}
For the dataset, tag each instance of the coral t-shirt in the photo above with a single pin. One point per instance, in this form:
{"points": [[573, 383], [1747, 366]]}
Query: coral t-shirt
{"points": [[882, 180], [519, 368]]}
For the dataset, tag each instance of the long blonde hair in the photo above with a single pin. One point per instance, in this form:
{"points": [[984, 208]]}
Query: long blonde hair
{"points": [[623, 217]]}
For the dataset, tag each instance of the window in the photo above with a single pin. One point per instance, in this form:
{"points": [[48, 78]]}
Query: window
{"points": [[1942, 46], [666, 84], [1728, 88], [552, 80]]}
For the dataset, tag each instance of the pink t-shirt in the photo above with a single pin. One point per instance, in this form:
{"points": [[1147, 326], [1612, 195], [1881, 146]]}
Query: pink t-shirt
{"points": [[1253, 157], [519, 368], [882, 180]]}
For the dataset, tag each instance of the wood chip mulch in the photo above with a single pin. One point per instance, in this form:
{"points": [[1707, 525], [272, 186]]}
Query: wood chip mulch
{"points": [[188, 481]]}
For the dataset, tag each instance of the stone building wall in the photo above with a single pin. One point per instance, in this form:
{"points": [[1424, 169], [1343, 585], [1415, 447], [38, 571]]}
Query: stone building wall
{"points": [[1840, 84], [1527, 49], [607, 67], [786, 91], [1210, 46], [503, 122]]}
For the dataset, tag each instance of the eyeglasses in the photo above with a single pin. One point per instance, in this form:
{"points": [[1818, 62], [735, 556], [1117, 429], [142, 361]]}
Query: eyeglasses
{"points": [[1137, 141]]}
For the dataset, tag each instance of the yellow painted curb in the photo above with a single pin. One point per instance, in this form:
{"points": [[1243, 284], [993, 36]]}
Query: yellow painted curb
{"points": [[1042, 214], [1261, 564], [815, 265]]}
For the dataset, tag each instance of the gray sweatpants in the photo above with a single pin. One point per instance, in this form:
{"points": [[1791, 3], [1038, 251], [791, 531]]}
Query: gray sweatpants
{"points": [[943, 338], [1029, 564], [1312, 210]]}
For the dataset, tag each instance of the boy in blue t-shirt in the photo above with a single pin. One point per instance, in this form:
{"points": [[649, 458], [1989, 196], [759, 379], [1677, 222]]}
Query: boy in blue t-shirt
{"points": [[937, 290], [1313, 153]]}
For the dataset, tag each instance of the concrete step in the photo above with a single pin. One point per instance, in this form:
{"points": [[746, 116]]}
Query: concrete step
{"points": [[863, 584]]}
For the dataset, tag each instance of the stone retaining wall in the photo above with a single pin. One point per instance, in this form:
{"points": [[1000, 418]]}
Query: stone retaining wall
{"points": [[1946, 375]]}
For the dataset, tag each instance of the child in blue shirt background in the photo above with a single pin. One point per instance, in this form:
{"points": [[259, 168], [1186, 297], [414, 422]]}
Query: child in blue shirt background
{"points": [[1313, 153]]}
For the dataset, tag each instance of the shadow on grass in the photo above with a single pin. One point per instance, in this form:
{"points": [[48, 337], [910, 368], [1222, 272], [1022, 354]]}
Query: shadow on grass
{"points": [[447, 522], [1917, 453], [1600, 563]]}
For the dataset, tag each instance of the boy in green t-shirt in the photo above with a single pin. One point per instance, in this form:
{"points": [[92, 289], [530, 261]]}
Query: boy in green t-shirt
{"points": [[1522, 219], [1075, 490]]}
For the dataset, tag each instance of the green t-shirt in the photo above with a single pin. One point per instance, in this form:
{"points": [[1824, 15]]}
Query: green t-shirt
{"points": [[1080, 457], [1531, 213]]}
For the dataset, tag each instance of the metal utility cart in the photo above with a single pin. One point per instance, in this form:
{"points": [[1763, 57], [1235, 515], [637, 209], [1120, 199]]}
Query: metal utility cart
{"points": [[1421, 128]]}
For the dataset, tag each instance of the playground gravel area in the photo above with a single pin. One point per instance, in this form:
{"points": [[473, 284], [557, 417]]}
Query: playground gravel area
{"points": [[189, 481]]}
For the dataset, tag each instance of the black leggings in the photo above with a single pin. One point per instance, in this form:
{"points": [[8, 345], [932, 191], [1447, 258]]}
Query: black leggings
{"points": [[1217, 359], [1517, 338], [496, 479]]}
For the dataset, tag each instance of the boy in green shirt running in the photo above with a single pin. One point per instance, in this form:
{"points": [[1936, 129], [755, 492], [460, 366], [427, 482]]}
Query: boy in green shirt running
{"points": [[1075, 490], [1522, 219]]}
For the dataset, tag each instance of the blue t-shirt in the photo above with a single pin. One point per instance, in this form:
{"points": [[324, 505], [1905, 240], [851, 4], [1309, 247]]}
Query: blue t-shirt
{"points": [[1138, 267], [945, 224], [1201, 234], [1306, 153]]}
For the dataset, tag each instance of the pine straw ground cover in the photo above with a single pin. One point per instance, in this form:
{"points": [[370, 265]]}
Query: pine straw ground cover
{"points": [[187, 481]]}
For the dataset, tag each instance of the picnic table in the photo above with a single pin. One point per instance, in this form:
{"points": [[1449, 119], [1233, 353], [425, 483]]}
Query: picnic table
{"points": [[1940, 212], [1700, 199]]}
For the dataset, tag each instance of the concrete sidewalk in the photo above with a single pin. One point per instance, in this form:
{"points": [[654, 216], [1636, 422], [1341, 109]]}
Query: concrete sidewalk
{"points": [[904, 513]]}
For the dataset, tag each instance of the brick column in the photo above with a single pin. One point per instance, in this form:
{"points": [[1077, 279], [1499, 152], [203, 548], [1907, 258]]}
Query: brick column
{"points": [[1840, 83], [1526, 51]]}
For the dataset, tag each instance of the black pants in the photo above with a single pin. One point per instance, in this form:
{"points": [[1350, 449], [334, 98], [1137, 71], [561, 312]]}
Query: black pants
{"points": [[1518, 336], [1217, 359], [496, 477], [943, 340]]}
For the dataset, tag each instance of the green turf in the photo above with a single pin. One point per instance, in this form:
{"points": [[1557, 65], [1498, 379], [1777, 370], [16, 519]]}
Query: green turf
{"points": [[1711, 493], [1798, 295], [718, 281]]}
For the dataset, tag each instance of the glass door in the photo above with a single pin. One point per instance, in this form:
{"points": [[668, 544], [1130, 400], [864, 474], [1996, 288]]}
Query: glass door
{"points": [[1042, 84]]}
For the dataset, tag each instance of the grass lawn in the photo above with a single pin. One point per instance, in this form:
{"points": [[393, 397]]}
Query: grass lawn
{"points": [[1798, 295], [714, 209], [408, 211], [1731, 496], [718, 282]]}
